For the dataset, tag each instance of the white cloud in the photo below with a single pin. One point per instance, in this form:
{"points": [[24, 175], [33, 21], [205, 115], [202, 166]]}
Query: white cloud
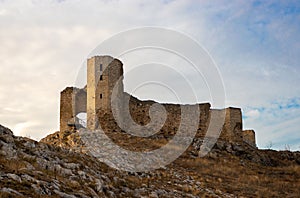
{"points": [[252, 113], [277, 123], [20, 128]]}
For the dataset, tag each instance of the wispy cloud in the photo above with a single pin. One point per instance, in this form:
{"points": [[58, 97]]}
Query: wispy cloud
{"points": [[277, 122]]}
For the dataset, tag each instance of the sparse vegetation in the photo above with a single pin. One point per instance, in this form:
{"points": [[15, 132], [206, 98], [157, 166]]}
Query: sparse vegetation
{"points": [[37, 168], [269, 145], [287, 147]]}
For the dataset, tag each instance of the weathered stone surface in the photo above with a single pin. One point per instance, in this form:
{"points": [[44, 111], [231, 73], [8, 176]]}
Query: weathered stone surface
{"points": [[64, 195], [5, 131], [71, 165], [249, 137], [99, 185], [28, 178], [14, 177], [11, 191], [72, 102], [104, 74]]}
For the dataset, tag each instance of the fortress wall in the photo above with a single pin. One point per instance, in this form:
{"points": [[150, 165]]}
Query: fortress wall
{"points": [[103, 72], [72, 102], [204, 119], [232, 130], [249, 137], [139, 111], [66, 108]]}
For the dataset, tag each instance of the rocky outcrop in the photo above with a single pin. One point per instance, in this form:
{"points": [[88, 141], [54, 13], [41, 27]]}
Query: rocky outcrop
{"points": [[66, 139], [33, 169], [36, 169]]}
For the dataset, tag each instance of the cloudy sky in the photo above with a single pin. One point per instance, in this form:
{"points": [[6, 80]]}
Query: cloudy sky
{"points": [[255, 44]]}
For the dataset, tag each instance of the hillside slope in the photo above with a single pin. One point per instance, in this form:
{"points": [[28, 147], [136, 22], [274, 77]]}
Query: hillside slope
{"points": [[55, 168]]}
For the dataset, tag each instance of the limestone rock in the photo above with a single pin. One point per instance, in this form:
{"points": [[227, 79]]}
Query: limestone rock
{"points": [[5, 131], [14, 177], [11, 191]]}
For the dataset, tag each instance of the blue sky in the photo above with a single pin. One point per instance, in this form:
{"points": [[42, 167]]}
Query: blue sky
{"points": [[256, 45]]}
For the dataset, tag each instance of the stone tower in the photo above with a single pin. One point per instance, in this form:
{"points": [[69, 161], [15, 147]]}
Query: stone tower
{"points": [[103, 72]]}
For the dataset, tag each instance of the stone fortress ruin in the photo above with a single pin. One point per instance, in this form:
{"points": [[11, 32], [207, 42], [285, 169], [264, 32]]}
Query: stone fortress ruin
{"points": [[95, 99]]}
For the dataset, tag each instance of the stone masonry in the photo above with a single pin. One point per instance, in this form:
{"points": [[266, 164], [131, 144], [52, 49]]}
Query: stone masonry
{"points": [[103, 73]]}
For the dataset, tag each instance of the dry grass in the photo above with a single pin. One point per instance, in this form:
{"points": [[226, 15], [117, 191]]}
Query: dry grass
{"points": [[247, 179], [12, 165], [223, 174]]}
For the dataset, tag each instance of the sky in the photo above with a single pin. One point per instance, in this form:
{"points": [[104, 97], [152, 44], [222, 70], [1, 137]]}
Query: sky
{"points": [[255, 44]]}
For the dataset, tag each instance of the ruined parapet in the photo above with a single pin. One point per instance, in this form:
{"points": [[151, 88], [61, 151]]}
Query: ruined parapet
{"points": [[249, 137], [204, 120], [72, 102], [105, 88], [102, 74], [232, 130]]}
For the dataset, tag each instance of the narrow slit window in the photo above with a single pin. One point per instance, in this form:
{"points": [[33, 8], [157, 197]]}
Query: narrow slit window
{"points": [[101, 78], [101, 67], [100, 96]]}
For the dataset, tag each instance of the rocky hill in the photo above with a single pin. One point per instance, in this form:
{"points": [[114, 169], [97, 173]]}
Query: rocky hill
{"points": [[59, 166]]}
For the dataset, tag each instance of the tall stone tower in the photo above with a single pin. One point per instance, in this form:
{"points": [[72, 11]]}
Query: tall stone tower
{"points": [[103, 72]]}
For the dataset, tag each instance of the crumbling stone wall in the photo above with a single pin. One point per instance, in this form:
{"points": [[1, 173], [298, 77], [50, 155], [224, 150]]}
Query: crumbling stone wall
{"points": [[103, 74], [72, 102], [249, 137], [233, 125]]}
